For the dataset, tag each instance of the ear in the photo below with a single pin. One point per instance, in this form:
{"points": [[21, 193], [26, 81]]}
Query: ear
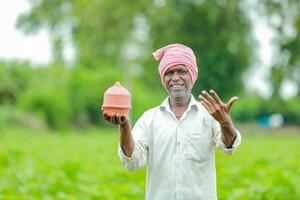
{"points": [[163, 83]]}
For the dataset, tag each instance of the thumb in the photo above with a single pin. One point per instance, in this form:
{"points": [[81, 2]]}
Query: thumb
{"points": [[123, 120], [231, 101]]}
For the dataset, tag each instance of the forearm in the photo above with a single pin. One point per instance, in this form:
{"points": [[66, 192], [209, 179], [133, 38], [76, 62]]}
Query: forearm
{"points": [[228, 133], [126, 139]]}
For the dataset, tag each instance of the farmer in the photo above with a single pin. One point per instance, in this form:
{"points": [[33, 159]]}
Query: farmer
{"points": [[177, 138]]}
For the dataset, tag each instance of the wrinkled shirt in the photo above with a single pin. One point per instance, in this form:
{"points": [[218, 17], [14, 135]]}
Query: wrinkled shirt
{"points": [[179, 154]]}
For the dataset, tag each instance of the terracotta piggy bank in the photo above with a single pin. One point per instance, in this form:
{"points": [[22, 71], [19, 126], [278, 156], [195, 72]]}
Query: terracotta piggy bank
{"points": [[117, 99]]}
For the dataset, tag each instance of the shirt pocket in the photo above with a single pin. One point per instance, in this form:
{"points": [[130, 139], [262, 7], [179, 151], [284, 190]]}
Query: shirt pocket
{"points": [[198, 146]]}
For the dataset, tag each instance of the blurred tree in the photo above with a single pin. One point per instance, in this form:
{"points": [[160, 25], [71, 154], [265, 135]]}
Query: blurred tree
{"points": [[284, 18], [99, 29], [14, 78], [277, 77], [87, 88], [48, 95], [218, 31], [115, 40]]}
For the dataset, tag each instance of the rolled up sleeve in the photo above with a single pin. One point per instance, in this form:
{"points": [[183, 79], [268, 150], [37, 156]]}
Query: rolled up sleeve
{"points": [[138, 158], [219, 142]]}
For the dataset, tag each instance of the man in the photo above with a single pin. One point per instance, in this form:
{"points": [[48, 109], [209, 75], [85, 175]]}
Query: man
{"points": [[177, 138]]}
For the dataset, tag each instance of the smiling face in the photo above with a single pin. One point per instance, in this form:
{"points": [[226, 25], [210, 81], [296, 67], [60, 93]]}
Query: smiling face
{"points": [[178, 82]]}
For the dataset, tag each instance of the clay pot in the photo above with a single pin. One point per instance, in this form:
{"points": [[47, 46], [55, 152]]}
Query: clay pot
{"points": [[117, 99]]}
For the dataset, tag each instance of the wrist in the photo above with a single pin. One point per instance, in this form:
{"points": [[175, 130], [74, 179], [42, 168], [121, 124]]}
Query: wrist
{"points": [[226, 124], [124, 124]]}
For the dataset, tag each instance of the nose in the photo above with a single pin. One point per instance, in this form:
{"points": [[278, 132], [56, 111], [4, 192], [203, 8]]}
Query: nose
{"points": [[175, 76]]}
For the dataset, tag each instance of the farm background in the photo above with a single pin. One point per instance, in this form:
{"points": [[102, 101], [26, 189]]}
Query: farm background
{"points": [[84, 165], [54, 141]]}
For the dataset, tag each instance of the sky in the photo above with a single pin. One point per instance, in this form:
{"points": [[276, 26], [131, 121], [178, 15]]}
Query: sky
{"points": [[36, 48], [13, 43]]}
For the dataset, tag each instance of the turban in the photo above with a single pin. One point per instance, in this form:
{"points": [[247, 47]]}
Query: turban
{"points": [[176, 54]]}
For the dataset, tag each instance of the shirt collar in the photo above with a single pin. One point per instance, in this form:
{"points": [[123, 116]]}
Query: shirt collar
{"points": [[165, 105]]}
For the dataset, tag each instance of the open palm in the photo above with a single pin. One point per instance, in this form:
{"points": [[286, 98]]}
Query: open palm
{"points": [[216, 107]]}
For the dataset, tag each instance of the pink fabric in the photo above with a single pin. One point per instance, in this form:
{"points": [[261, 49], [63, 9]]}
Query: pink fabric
{"points": [[176, 54]]}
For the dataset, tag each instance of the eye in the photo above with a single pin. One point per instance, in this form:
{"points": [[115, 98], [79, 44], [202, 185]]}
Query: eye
{"points": [[169, 74], [182, 72]]}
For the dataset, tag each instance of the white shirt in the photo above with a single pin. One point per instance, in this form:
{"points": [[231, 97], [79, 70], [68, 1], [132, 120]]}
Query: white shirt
{"points": [[180, 154]]}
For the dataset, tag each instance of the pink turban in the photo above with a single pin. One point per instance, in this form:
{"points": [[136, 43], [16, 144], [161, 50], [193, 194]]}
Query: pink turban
{"points": [[176, 54]]}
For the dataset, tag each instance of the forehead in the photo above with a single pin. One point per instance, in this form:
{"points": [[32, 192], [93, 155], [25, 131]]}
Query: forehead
{"points": [[176, 68]]}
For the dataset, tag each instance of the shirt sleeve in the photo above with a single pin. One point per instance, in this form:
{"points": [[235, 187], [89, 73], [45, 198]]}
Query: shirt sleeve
{"points": [[138, 158], [216, 128]]}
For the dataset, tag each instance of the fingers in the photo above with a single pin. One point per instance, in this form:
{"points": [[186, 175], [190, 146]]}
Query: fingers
{"points": [[115, 118], [205, 101], [215, 96], [231, 101], [208, 97], [106, 116], [211, 102], [123, 119], [207, 107]]}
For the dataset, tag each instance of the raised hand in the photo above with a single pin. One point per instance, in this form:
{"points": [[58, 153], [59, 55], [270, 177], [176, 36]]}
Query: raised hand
{"points": [[215, 106], [126, 139], [115, 118]]}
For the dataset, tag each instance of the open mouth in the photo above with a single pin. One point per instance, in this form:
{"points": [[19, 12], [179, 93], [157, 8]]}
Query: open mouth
{"points": [[177, 85]]}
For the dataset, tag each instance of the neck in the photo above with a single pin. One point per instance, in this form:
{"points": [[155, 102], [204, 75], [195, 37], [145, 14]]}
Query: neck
{"points": [[179, 102]]}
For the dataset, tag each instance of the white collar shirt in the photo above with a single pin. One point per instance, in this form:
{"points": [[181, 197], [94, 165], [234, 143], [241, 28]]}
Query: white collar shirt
{"points": [[179, 154]]}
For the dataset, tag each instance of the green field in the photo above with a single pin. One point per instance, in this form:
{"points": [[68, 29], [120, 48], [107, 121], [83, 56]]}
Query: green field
{"points": [[85, 165]]}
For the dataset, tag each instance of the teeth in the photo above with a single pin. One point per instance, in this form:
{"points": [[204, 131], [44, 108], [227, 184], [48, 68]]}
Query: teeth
{"points": [[176, 86]]}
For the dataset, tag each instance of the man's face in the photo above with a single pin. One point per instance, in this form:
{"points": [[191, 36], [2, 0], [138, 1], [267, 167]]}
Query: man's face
{"points": [[178, 82]]}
